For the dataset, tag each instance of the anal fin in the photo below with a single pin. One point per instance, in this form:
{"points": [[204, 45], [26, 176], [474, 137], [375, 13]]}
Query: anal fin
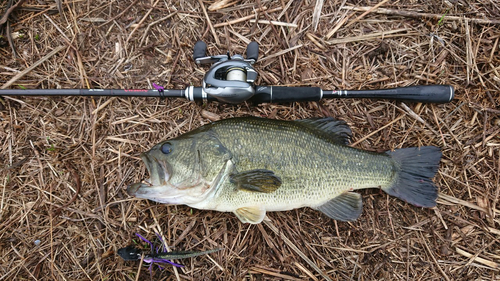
{"points": [[345, 207], [253, 215]]}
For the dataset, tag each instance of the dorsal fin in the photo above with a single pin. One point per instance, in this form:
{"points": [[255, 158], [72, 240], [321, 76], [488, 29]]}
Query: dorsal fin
{"points": [[330, 128]]}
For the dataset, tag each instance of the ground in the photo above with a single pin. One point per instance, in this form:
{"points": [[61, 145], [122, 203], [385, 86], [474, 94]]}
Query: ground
{"points": [[65, 162]]}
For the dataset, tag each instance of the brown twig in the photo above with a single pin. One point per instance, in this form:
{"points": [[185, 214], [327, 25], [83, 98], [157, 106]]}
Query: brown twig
{"points": [[59, 6], [33, 66], [9, 10], [120, 14], [209, 23], [78, 187], [295, 249], [11, 41], [482, 108], [241, 19], [366, 13], [282, 276], [412, 14], [317, 14], [17, 164], [493, 265], [443, 273], [276, 33], [141, 22]]}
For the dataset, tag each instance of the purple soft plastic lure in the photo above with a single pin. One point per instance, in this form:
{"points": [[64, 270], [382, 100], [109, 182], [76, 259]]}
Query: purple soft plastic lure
{"points": [[158, 254]]}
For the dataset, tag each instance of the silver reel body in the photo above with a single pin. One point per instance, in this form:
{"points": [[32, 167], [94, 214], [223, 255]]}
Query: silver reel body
{"points": [[231, 78]]}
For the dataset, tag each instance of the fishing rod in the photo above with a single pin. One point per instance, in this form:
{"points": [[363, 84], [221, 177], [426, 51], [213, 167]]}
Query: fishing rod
{"points": [[231, 80]]}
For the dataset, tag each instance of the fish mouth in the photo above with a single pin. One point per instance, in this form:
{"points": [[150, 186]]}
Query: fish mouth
{"points": [[134, 188], [158, 175]]}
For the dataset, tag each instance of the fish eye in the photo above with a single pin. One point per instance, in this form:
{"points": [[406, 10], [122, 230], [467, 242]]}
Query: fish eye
{"points": [[166, 148]]}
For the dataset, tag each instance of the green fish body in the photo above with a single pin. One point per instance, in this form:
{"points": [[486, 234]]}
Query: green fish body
{"points": [[253, 165]]}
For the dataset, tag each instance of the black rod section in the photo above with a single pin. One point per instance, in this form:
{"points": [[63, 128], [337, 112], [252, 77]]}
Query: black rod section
{"points": [[422, 93], [280, 94]]}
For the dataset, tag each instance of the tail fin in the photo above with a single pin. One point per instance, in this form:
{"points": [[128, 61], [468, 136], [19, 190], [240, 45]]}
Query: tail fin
{"points": [[417, 167]]}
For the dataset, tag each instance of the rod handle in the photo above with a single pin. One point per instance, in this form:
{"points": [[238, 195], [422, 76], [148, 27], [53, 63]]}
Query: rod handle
{"points": [[277, 94], [421, 93]]}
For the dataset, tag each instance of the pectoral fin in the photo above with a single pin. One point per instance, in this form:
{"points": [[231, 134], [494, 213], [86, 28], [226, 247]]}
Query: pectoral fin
{"points": [[258, 180], [253, 215], [345, 207]]}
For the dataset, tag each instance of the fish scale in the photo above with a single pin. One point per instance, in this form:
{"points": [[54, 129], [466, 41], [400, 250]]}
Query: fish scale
{"points": [[308, 156], [313, 169], [253, 165]]}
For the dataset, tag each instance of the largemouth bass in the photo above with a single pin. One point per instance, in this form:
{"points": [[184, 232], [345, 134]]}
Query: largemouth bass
{"points": [[252, 165]]}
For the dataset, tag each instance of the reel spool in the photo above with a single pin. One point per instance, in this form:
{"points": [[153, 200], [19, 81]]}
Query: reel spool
{"points": [[231, 78]]}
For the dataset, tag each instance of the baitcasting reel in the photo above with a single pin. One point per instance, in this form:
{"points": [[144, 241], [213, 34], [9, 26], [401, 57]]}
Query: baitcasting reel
{"points": [[231, 78]]}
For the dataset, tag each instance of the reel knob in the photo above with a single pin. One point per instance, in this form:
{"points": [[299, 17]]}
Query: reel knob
{"points": [[199, 50], [253, 51]]}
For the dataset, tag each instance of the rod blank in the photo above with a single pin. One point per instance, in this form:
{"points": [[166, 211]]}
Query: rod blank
{"points": [[94, 92], [277, 94]]}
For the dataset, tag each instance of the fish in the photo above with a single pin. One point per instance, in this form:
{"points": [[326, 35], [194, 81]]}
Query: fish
{"points": [[252, 165]]}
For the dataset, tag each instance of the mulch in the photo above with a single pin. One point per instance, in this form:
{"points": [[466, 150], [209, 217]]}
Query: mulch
{"points": [[65, 162]]}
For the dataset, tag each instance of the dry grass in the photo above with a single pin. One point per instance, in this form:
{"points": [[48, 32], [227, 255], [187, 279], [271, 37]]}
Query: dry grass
{"points": [[47, 145]]}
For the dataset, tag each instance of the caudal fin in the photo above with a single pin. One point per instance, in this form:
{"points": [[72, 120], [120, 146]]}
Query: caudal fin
{"points": [[417, 167]]}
